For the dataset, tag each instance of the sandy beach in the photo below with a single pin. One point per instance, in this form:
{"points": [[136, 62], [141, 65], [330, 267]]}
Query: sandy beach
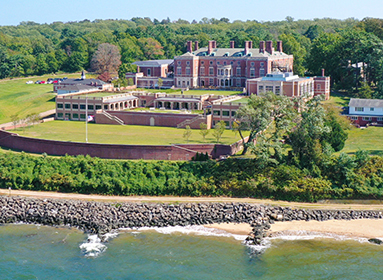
{"points": [[366, 228]]}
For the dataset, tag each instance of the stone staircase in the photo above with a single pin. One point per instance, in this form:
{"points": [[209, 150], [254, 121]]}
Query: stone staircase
{"points": [[113, 118], [190, 121]]}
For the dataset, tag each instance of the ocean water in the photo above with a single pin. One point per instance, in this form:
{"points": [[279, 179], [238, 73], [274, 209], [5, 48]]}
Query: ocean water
{"points": [[39, 252]]}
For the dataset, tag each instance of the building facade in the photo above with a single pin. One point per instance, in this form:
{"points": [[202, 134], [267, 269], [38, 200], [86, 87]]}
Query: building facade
{"points": [[363, 112]]}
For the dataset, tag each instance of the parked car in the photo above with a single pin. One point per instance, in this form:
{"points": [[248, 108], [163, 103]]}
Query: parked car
{"points": [[49, 81], [37, 82], [29, 82], [42, 82], [65, 78]]}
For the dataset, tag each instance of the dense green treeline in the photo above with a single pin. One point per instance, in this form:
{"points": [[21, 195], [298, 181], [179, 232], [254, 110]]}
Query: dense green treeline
{"points": [[357, 176]]}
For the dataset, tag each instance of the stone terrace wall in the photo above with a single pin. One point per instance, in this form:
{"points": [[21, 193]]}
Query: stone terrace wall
{"points": [[111, 151]]}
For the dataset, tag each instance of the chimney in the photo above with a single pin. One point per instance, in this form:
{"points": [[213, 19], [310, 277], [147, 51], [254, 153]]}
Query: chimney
{"points": [[262, 46], [214, 44], [196, 45], [247, 47], [279, 46], [250, 44], [232, 44], [322, 72], [269, 47], [210, 47], [189, 46]]}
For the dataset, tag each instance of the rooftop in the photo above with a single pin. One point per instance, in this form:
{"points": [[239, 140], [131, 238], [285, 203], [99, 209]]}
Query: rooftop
{"points": [[358, 102], [153, 62], [234, 52]]}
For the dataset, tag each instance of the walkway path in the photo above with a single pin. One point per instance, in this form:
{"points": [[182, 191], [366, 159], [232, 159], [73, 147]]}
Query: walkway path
{"points": [[10, 125]]}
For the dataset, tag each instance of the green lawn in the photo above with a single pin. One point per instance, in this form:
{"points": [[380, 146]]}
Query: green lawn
{"points": [[369, 139], [16, 97], [116, 134], [338, 100]]}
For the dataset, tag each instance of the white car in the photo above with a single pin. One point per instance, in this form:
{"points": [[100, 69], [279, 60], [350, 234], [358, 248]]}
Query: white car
{"points": [[29, 82]]}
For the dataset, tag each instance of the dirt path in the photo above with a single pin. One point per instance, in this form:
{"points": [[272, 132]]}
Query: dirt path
{"points": [[173, 199]]}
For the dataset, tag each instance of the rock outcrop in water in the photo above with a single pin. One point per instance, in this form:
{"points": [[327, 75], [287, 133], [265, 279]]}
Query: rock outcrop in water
{"points": [[99, 218]]}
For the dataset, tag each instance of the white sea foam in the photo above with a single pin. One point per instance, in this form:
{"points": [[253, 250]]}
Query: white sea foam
{"points": [[93, 247], [195, 229]]}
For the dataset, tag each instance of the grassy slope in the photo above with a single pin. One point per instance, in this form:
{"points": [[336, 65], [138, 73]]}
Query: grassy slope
{"points": [[16, 97], [115, 134]]}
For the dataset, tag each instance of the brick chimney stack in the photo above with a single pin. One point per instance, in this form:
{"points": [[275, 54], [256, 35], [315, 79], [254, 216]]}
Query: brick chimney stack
{"points": [[214, 44], [322, 72], [196, 45], [262, 46], [210, 47], [232, 44], [250, 44], [247, 43], [279, 46], [269, 47], [189, 46]]}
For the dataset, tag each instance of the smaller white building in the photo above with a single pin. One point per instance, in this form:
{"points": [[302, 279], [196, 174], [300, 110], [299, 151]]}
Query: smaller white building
{"points": [[365, 111]]}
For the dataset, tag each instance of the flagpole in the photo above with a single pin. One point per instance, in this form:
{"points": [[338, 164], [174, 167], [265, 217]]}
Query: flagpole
{"points": [[86, 117]]}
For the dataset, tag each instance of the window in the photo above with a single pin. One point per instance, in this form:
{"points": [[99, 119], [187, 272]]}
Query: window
{"points": [[67, 116], [277, 90], [262, 64], [82, 116], [261, 72], [75, 116], [218, 63], [202, 71], [226, 113], [379, 119], [67, 105], [252, 72], [252, 64], [98, 107], [202, 62], [106, 107], [239, 71], [318, 86], [149, 72], [90, 107], [82, 106], [60, 105], [187, 62], [224, 63], [231, 62], [372, 109], [238, 82], [270, 88], [233, 113], [178, 70], [354, 118], [59, 115], [211, 82], [211, 71], [359, 109], [366, 118], [216, 113], [74, 106], [260, 88], [179, 62], [211, 62], [187, 70], [238, 63], [227, 123]]}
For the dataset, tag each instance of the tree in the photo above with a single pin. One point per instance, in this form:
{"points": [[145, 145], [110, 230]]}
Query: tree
{"points": [[338, 125], [261, 111], [151, 48], [187, 133], [105, 77], [107, 58], [203, 130], [160, 82], [15, 119], [219, 129]]}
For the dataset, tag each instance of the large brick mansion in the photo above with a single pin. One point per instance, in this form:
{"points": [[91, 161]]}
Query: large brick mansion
{"points": [[214, 67]]}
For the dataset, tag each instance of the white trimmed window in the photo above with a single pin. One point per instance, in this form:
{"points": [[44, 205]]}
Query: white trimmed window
{"points": [[149, 72], [202, 71], [261, 72], [367, 118], [379, 119], [211, 71], [252, 72], [178, 70], [187, 70], [359, 109], [354, 118], [372, 109]]}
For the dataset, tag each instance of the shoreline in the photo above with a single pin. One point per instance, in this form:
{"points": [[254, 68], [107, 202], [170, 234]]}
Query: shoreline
{"points": [[361, 228]]}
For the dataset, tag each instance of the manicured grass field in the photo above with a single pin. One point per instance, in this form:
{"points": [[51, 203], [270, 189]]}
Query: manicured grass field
{"points": [[369, 139], [116, 134], [338, 100], [16, 97]]}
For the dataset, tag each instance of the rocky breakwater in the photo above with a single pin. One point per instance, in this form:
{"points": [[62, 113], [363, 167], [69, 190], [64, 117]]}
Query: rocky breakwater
{"points": [[99, 218]]}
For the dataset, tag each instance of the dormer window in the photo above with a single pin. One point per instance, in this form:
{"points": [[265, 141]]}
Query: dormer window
{"points": [[187, 62]]}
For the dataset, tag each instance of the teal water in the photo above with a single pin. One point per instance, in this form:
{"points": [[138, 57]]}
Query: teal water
{"points": [[37, 252]]}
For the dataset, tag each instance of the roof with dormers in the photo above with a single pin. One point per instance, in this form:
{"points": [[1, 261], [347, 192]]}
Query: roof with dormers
{"points": [[233, 52]]}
